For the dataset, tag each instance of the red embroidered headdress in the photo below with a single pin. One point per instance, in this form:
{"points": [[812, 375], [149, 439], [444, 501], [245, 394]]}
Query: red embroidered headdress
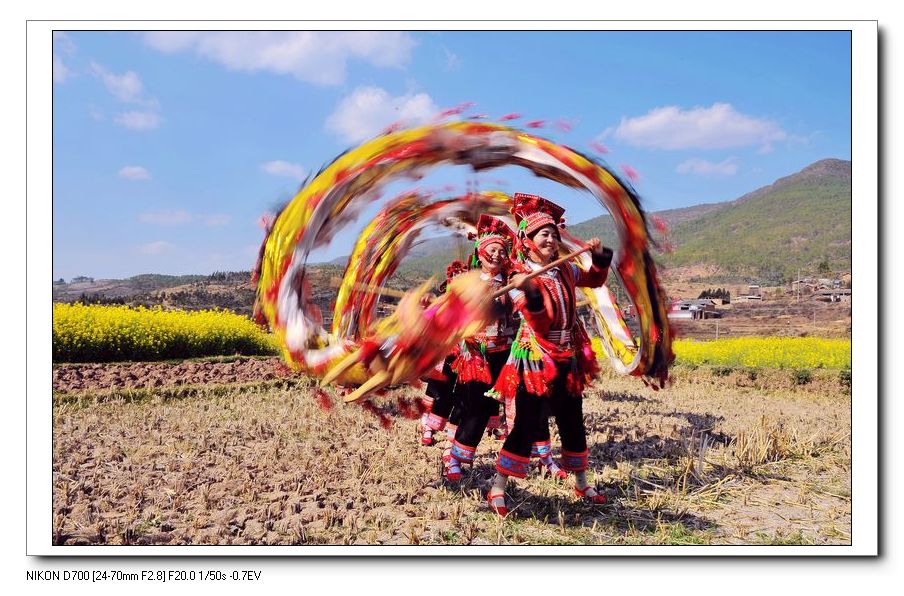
{"points": [[489, 230], [532, 212]]}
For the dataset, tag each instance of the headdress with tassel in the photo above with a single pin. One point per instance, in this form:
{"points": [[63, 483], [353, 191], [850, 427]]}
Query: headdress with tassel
{"points": [[489, 230]]}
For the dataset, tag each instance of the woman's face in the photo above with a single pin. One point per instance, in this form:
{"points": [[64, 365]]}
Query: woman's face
{"points": [[494, 258], [547, 242]]}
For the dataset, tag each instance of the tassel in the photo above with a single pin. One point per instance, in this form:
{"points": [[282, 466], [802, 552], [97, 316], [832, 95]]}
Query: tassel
{"points": [[507, 383], [385, 420], [408, 409], [323, 399]]}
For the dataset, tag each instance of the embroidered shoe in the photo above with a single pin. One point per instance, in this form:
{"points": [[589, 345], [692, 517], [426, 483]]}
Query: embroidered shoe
{"points": [[451, 467], [426, 432], [497, 503], [589, 495], [427, 437]]}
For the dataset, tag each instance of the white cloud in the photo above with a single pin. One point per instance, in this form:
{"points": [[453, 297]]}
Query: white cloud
{"points": [[703, 167], [138, 120], [126, 87], [156, 248], [317, 57], [369, 110], [453, 62], [172, 41], [284, 168], [166, 217], [716, 127], [216, 220], [134, 173], [60, 72], [61, 45]]}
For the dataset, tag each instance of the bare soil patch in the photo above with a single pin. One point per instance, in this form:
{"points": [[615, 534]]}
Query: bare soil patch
{"points": [[77, 378]]}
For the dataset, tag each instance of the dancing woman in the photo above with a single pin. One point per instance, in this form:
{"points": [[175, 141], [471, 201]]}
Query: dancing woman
{"points": [[481, 357], [552, 358]]}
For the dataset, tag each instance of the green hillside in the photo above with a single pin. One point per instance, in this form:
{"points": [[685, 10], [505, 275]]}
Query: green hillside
{"points": [[800, 221]]}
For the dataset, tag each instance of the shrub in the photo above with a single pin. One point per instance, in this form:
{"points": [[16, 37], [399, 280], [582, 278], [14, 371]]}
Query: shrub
{"points": [[802, 376], [844, 377]]}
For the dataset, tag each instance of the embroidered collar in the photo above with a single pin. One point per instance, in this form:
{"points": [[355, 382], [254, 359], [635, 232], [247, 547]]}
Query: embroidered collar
{"points": [[534, 266]]}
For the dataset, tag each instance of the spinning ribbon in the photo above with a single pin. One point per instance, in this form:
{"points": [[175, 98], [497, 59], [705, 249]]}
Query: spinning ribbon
{"points": [[335, 196]]}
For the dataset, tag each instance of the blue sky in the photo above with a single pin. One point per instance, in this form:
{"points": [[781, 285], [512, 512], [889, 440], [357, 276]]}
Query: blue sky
{"points": [[168, 147]]}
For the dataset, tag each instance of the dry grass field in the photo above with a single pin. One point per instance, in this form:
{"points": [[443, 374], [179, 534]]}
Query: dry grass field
{"points": [[723, 456]]}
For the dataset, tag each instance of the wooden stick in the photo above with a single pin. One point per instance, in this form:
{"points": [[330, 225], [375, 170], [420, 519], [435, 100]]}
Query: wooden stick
{"points": [[544, 269]]}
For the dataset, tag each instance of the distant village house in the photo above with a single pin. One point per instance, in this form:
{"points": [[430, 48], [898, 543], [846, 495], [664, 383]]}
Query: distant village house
{"points": [[704, 308], [754, 292]]}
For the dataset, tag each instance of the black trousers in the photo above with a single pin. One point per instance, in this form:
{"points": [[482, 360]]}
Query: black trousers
{"points": [[443, 392], [532, 418], [476, 407]]}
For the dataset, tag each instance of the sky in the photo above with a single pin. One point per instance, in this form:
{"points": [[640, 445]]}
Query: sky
{"points": [[168, 147]]}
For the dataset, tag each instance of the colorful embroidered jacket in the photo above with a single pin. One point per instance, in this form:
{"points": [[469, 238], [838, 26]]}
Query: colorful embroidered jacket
{"points": [[471, 364], [551, 335]]}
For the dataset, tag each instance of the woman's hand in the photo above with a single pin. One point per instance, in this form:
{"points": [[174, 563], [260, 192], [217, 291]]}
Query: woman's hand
{"points": [[602, 255], [520, 280]]}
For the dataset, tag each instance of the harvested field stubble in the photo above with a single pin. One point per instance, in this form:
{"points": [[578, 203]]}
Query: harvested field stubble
{"points": [[712, 460]]}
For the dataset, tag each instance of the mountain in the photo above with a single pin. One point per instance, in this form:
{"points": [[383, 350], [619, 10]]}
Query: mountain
{"points": [[802, 221]]}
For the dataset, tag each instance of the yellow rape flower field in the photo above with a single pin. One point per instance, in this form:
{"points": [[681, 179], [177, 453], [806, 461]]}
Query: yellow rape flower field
{"points": [[95, 333], [768, 352]]}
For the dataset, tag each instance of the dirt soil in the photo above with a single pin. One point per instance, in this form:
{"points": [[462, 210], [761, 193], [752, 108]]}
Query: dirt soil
{"points": [[75, 378], [738, 459]]}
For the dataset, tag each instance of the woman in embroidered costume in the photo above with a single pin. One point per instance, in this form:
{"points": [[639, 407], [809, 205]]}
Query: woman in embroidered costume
{"points": [[552, 358], [481, 357], [439, 400]]}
